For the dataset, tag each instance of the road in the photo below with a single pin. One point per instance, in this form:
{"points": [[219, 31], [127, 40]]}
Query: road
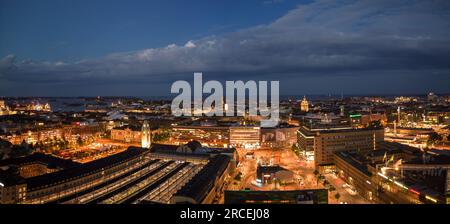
{"points": [[303, 175], [342, 189], [303, 170]]}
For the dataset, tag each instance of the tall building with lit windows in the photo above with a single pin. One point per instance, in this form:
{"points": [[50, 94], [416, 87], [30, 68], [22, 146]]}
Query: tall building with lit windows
{"points": [[146, 135], [304, 105]]}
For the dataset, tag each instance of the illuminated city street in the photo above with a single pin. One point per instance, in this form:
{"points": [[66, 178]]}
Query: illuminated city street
{"points": [[218, 102], [303, 175], [98, 149]]}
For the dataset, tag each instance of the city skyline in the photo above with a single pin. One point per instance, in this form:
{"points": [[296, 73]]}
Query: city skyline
{"points": [[251, 103], [311, 47]]}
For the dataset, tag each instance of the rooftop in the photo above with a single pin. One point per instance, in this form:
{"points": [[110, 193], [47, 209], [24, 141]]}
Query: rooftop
{"points": [[83, 169], [41, 158], [200, 185]]}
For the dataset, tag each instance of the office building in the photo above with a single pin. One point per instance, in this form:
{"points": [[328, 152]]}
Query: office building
{"points": [[245, 137], [395, 174], [324, 142]]}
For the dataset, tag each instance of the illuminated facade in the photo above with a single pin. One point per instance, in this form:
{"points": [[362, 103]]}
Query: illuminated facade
{"points": [[245, 137], [71, 133], [304, 105], [325, 142], [305, 143], [216, 136], [127, 134], [39, 107], [4, 109], [278, 136], [146, 140]]}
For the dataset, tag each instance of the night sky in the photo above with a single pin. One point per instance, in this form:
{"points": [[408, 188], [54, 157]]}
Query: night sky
{"points": [[138, 48]]}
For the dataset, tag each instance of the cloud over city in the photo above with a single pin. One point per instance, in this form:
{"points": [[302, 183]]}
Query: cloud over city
{"points": [[320, 39]]}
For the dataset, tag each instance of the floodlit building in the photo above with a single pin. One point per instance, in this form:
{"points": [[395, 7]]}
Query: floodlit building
{"points": [[146, 134], [304, 105], [322, 143], [245, 137], [4, 109], [279, 136], [128, 134], [208, 135], [160, 174]]}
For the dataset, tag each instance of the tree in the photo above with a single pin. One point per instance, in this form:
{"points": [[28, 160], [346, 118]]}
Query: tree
{"points": [[108, 134], [79, 141], [375, 124], [66, 143], [433, 138], [39, 145], [159, 137], [294, 148], [238, 176], [337, 196], [23, 149], [316, 172], [5, 144]]}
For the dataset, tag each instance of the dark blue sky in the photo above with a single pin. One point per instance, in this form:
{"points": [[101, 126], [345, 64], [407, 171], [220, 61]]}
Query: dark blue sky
{"points": [[78, 29], [111, 47]]}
